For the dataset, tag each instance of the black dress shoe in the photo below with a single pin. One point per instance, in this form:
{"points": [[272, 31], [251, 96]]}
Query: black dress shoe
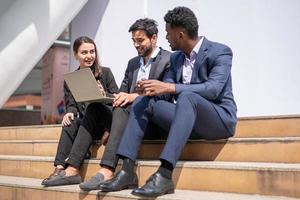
{"points": [[122, 180], [62, 179], [155, 186], [51, 176]]}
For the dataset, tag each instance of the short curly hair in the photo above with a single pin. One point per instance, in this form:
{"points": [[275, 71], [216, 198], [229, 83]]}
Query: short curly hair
{"points": [[183, 17], [146, 24]]}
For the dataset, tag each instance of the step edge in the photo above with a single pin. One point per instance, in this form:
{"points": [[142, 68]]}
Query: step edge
{"points": [[31, 126], [229, 140], [224, 165], [179, 194], [293, 116], [269, 117]]}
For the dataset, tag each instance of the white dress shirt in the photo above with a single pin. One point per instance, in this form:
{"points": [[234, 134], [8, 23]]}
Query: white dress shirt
{"points": [[144, 70], [189, 62]]}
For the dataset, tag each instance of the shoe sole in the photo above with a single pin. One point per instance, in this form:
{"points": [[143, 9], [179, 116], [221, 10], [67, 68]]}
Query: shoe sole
{"points": [[89, 189], [61, 182], [170, 191], [123, 188]]}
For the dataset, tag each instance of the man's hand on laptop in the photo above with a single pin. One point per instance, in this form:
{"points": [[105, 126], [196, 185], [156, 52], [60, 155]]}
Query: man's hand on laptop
{"points": [[123, 99], [102, 91], [67, 119]]}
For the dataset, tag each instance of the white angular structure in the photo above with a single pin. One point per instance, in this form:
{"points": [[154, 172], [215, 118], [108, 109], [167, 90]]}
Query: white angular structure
{"points": [[28, 28]]}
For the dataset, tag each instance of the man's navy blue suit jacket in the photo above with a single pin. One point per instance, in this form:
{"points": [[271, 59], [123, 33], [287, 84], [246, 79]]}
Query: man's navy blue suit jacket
{"points": [[211, 79]]}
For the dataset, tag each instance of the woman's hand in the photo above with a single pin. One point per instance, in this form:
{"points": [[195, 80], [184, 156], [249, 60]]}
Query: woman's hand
{"points": [[67, 119]]}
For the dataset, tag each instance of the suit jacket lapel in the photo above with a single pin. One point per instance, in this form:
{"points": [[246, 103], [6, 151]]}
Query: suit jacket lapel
{"points": [[202, 52], [200, 59], [179, 67], [134, 77], [154, 66]]}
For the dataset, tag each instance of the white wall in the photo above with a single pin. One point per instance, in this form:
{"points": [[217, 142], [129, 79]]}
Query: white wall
{"points": [[263, 34]]}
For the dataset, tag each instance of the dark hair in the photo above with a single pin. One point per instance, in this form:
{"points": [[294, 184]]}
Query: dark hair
{"points": [[183, 17], [96, 68], [146, 24]]}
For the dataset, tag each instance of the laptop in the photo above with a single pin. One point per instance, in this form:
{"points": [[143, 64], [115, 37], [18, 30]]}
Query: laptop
{"points": [[84, 87]]}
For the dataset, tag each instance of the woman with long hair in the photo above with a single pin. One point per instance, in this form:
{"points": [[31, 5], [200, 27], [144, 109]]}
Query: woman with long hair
{"points": [[69, 156]]}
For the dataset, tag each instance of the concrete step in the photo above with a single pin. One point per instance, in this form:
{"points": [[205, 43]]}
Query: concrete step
{"points": [[38, 148], [16, 188], [279, 179], [280, 126], [36, 132], [276, 126], [279, 149]]}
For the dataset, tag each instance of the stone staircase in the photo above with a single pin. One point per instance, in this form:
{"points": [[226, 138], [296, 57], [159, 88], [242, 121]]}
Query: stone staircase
{"points": [[262, 161]]}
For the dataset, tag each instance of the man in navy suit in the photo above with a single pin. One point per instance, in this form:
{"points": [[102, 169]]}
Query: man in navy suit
{"points": [[194, 101]]}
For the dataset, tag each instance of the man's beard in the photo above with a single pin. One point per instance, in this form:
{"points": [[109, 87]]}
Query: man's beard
{"points": [[174, 48], [147, 52]]}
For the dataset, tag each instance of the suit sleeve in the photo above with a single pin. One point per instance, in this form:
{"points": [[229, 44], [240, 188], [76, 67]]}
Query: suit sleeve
{"points": [[69, 100], [170, 74], [111, 84], [124, 85], [217, 78], [165, 77], [166, 70]]}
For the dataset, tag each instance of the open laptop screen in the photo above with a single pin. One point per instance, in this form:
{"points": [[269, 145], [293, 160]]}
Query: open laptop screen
{"points": [[84, 87]]}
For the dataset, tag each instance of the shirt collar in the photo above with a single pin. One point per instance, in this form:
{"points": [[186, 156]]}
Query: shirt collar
{"points": [[196, 49]]}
